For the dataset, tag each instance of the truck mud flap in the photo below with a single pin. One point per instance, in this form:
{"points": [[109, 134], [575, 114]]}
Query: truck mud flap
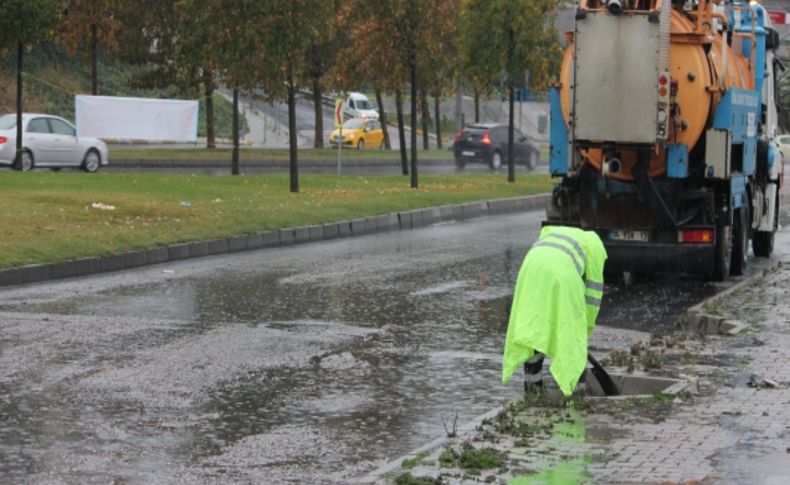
{"points": [[657, 205]]}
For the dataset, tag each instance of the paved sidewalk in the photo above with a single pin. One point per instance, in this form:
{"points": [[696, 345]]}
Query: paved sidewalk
{"points": [[730, 425]]}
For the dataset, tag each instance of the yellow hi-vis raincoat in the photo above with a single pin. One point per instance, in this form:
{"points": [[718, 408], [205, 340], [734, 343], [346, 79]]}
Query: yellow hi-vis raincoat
{"points": [[556, 301]]}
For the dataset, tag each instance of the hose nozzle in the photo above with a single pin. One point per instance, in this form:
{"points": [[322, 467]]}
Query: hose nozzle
{"points": [[611, 166], [615, 7]]}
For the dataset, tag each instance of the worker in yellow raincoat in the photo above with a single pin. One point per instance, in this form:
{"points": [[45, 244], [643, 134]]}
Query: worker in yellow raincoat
{"points": [[556, 301]]}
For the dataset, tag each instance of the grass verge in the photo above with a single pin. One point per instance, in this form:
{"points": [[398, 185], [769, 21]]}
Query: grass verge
{"points": [[202, 153], [48, 216]]}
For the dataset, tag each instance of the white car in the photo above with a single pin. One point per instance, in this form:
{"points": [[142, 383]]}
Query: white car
{"points": [[49, 141], [359, 106]]}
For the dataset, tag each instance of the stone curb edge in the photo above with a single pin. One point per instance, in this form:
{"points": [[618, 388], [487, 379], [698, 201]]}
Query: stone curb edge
{"points": [[700, 321], [396, 464], [697, 320], [414, 219]]}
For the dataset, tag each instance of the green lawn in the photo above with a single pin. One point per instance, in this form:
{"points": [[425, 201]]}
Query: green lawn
{"points": [[268, 154], [48, 216]]}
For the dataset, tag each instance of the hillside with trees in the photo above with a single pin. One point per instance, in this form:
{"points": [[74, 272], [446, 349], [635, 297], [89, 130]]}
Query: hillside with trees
{"points": [[412, 49]]}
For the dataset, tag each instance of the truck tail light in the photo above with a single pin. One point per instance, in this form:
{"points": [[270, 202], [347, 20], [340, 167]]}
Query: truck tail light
{"points": [[696, 236], [663, 106], [486, 140], [3, 140]]}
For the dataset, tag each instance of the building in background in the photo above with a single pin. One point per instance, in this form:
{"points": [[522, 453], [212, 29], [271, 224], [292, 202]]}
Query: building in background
{"points": [[779, 10]]}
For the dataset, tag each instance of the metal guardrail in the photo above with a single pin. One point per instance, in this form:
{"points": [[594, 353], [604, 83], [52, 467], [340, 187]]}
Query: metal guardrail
{"points": [[328, 101]]}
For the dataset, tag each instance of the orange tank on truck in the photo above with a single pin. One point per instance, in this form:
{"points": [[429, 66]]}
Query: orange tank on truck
{"points": [[663, 132]]}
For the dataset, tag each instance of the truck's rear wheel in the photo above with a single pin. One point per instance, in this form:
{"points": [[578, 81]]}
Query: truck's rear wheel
{"points": [[763, 244], [740, 243], [763, 241], [723, 253]]}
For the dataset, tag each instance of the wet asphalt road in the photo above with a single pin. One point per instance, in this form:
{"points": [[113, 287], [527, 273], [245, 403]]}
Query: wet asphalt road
{"points": [[313, 363]]}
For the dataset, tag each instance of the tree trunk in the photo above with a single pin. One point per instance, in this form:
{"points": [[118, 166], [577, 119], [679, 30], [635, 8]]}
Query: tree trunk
{"points": [[511, 165], [477, 105], [401, 132], [426, 119], [413, 76], [94, 61], [292, 131], [438, 117], [319, 113], [208, 84], [383, 119], [234, 161], [19, 62], [458, 117]]}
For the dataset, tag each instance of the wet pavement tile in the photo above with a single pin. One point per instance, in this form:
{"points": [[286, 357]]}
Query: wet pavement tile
{"points": [[729, 425]]}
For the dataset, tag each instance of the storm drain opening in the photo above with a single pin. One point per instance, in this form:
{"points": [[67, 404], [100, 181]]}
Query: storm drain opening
{"points": [[631, 385]]}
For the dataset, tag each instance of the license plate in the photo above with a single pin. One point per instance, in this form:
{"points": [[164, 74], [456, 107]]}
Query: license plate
{"points": [[623, 235], [467, 153]]}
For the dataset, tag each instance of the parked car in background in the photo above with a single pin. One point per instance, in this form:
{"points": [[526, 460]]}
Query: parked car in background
{"points": [[487, 143], [49, 141], [359, 106], [784, 146], [359, 133]]}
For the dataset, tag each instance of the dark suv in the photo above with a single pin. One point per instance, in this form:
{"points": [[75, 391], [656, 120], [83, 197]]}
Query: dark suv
{"points": [[487, 143]]}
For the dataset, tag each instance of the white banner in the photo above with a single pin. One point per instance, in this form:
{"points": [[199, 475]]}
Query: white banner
{"points": [[146, 119]]}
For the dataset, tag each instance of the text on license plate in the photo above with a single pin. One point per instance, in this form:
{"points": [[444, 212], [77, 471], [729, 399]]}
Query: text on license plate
{"points": [[623, 235], [467, 153]]}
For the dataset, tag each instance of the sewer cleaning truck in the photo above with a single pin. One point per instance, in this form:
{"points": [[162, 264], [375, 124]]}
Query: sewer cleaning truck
{"points": [[663, 131]]}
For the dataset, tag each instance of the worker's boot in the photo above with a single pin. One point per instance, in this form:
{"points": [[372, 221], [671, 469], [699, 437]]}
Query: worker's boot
{"points": [[533, 374]]}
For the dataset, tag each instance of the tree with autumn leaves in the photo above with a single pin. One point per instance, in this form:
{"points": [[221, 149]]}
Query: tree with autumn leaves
{"points": [[439, 62], [394, 45], [323, 53], [391, 45], [86, 25], [366, 58], [294, 26], [277, 47], [23, 25], [196, 64], [253, 47], [514, 37], [147, 30]]}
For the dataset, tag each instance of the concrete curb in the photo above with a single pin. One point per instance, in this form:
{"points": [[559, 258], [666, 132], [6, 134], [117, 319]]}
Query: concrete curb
{"points": [[466, 428], [697, 319], [398, 221], [701, 320]]}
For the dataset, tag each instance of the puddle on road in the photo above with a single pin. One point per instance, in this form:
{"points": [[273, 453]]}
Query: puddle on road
{"points": [[652, 305], [186, 390]]}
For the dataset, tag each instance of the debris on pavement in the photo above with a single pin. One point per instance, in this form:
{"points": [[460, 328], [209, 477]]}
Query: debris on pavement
{"points": [[687, 438], [764, 382], [102, 206]]}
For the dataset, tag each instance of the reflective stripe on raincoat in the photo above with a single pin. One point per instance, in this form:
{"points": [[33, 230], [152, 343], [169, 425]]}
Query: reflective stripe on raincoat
{"points": [[555, 304]]}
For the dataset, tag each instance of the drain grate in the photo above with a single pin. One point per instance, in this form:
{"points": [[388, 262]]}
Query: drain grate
{"points": [[635, 385]]}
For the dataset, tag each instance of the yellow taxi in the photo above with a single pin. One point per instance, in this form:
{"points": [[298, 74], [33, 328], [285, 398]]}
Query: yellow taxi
{"points": [[359, 133]]}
